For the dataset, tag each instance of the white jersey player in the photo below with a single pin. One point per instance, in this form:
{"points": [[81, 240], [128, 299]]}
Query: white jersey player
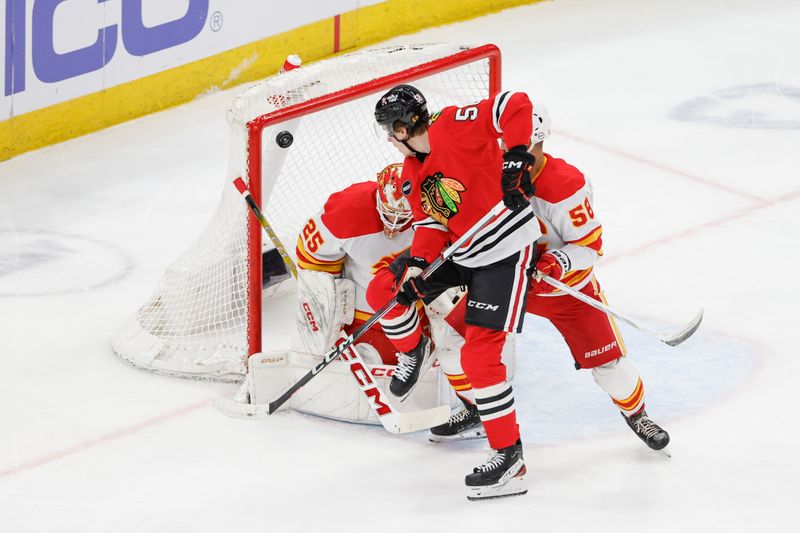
{"points": [[568, 248], [359, 233]]}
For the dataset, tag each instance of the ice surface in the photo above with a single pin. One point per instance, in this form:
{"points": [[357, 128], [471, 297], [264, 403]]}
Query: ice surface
{"points": [[684, 114]]}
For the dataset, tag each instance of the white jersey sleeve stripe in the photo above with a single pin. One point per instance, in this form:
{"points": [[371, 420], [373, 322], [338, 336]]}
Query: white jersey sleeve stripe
{"points": [[429, 223], [498, 107]]}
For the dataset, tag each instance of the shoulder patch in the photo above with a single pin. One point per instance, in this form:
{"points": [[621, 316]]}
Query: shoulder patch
{"points": [[558, 181], [352, 212]]}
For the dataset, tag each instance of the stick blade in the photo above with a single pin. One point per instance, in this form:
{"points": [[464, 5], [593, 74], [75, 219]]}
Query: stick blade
{"points": [[244, 411], [418, 420], [686, 332]]}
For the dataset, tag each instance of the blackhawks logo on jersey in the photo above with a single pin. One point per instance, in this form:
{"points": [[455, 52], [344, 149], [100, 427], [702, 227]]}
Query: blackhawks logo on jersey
{"points": [[441, 197]]}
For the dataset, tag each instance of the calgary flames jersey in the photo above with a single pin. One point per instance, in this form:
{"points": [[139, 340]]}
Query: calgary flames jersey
{"points": [[347, 238], [563, 204], [459, 181]]}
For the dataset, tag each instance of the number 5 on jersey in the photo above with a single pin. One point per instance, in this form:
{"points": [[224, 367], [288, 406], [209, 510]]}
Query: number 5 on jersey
{"points": [[312, 239]]}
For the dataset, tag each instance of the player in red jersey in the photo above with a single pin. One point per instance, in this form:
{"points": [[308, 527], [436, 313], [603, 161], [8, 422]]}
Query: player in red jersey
{"points": [[570, 245], [451, 179]]}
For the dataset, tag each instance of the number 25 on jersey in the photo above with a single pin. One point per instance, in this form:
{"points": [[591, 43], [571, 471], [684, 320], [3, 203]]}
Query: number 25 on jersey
{"points": [[312, 237]]}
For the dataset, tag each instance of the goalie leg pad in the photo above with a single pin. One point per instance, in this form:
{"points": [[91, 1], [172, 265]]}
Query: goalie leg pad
{"points": [[334, 394], [324, 305], [267, 377]]}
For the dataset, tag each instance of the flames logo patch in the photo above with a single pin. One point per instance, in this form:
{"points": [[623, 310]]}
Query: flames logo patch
{"points": [[385, 261]]}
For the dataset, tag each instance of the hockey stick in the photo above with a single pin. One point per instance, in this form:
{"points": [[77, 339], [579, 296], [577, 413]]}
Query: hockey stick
{"points": [[385, 411], [242, 188], [672, 340], [333, 354]]}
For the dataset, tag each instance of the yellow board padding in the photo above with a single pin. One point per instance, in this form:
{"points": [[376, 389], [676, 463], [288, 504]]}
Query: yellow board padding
{"points": [[251, 62], [153, 93], [398, 17]]}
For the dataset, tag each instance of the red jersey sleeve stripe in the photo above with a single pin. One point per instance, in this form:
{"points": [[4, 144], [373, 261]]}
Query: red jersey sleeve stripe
{"points": [[309, 262], [593, 240], [573, 278], [331, 269], [590, 237]]}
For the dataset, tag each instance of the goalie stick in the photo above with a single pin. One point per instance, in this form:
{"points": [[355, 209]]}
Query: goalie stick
{"points": [[242, 188], [330, 356], [385, 411], [672, 340], [389, 417]]}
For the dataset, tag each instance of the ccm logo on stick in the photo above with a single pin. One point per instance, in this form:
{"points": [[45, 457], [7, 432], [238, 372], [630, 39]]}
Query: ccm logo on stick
{"points": [[51, 66], [366, 383], [481, 305]]}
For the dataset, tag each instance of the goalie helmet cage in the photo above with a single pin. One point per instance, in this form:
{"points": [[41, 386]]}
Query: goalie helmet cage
{"points": [[296, 137]]}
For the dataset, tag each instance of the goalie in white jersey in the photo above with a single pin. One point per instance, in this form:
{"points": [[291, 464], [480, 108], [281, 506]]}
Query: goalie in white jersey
{"points": [[359, 232]]}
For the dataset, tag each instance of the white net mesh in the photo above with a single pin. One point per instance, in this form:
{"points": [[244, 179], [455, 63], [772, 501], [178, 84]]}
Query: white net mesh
{"points": [[196, 322]]}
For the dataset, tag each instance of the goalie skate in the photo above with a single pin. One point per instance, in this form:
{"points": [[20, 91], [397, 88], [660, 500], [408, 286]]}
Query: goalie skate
{"points": [[502, 475]]}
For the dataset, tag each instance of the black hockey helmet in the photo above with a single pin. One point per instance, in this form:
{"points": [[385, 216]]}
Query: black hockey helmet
{"points": [[402, 103]]}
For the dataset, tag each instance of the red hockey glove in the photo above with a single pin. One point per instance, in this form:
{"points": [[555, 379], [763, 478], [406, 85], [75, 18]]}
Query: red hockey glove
{"points": [[554, 264], [516, 181]]}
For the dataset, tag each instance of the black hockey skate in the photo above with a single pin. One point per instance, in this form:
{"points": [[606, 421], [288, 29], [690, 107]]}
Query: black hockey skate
{"points": [[650, 432], [462, 425], [410, 367], [501, 475]]}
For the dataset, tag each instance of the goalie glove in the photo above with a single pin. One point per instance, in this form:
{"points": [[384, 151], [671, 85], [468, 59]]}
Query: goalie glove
{"points": [[553, 263], [516, 180]]}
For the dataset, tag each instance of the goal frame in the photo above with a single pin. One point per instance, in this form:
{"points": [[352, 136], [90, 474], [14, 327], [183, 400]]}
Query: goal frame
{"points": [[256, 126]]}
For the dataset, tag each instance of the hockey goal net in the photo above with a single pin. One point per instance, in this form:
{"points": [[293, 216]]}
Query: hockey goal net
{"points": [[296, 137]]}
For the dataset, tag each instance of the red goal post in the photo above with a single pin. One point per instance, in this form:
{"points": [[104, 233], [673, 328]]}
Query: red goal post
{"points": [[205, 317]]}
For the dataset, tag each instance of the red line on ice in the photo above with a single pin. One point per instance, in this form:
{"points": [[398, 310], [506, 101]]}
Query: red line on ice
{"points": [[102, 439], [662, 167]]}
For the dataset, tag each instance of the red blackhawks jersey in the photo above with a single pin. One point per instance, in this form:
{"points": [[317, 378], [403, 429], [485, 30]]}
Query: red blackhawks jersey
{"points": [[562, 202], [347, 238], [459, 181]]}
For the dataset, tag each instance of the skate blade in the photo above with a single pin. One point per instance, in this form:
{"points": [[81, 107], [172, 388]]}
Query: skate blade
{"points": [[665, 452], [515, 486], [471, 434]]}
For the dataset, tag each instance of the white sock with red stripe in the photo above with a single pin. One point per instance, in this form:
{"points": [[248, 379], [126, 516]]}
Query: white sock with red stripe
{"points": [[620, 379]]}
